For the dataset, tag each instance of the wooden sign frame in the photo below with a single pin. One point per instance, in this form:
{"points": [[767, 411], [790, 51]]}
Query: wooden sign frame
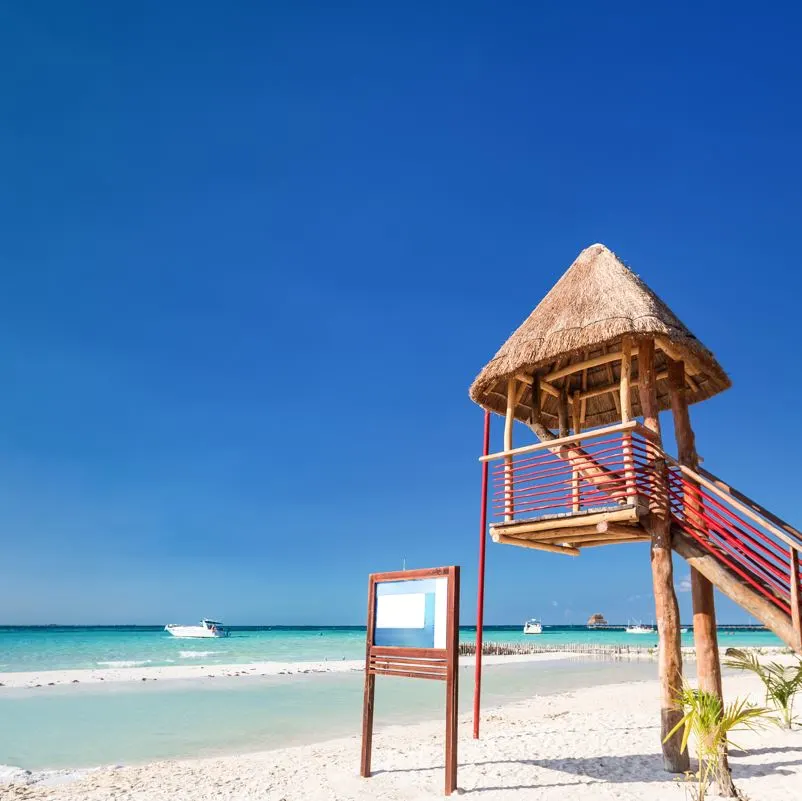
{"points": [[439, 664]]}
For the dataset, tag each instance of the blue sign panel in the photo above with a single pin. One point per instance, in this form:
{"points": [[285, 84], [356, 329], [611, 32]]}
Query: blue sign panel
{"points": [[411, 613]]}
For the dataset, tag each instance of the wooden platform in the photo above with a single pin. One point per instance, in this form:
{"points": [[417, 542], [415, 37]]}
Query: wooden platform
{"points": [[569, 532]]}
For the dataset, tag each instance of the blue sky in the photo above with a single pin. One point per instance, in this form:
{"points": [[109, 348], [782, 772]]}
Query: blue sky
{"points": [[254, 254]]}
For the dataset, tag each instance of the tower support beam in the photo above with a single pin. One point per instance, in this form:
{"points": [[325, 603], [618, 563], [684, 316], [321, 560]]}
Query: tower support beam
{"points": [[665, 599], [708, 665]]}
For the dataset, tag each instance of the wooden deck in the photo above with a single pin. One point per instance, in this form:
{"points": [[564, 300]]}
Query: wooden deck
{"points": [[569, 532]]}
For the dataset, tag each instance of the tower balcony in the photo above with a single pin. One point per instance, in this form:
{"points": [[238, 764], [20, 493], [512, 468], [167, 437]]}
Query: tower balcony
{"points": [[575, 492]]}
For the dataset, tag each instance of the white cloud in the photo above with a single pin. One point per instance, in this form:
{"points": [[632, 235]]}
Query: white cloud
{"points": [[554, 603], [684, 584]]}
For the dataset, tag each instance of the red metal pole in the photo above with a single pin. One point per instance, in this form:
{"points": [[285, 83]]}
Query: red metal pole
{"points": [[480, 594]]}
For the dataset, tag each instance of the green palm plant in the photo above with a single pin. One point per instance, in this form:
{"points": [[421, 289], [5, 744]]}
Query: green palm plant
{"points": [[711, 723], [781, 682]]}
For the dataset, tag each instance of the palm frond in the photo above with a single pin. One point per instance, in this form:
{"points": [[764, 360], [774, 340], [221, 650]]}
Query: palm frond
{"points": [[740, 714], [744, 660], [781, 682]]}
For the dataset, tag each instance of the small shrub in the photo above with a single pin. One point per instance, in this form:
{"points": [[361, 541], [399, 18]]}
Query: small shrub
{"points": [[781, 682], [711, 723]]}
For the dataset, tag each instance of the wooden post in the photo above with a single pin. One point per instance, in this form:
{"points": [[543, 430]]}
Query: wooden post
{"points": [[796, 601], [576, 409], [708, 666], [665, 599], [625, 405], [562, 409], [509, 421], [611, 379], [452, 681], [626, 378], [584, 404], [370, 691]]}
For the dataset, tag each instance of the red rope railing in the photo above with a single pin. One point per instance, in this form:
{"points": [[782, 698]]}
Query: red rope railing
{"points": [[571, 477], [759, 557], [621, 469]]}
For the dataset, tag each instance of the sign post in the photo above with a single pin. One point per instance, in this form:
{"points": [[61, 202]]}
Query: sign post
{"points": [[413, 631]]}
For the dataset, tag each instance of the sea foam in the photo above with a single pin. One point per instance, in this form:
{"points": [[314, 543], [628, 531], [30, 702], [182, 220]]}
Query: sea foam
{"points": [[195, 654], [123, 663]]}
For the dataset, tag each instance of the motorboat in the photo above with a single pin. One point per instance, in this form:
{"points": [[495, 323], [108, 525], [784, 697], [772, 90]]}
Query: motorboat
{"points": [[533, 626], [639, 628], [207, 628]]}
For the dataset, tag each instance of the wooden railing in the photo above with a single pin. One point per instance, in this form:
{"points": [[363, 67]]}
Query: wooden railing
{"points": [[622, 466], [606, 468], [751, 541]]}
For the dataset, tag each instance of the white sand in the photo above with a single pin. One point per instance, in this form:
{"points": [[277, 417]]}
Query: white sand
{"points": [[54, 678], [596, 744]]}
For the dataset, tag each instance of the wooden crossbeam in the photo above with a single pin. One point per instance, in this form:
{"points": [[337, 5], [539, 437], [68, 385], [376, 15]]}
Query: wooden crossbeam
{"points": [[544, 385], [586, 364], [613, 531], [624, 514], [670, 350], [552, 444], [606, 358], [620, 541], [603, 390], [535, 546]]}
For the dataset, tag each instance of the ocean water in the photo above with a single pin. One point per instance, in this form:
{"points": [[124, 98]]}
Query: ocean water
{"points": [[89, 725], [28, 648], [74, 726]]}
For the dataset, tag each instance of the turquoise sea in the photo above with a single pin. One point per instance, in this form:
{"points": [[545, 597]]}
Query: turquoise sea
{"points": [[76, 726], [26, 648], [124, 723]]}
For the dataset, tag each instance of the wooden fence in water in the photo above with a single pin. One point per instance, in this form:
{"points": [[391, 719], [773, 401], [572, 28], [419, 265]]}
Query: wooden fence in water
{"points": [[519, 648]]}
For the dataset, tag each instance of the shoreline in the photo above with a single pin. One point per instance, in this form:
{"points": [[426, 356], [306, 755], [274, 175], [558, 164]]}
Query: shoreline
{"points": [[111, 676], [568, 746], [36, 679]]}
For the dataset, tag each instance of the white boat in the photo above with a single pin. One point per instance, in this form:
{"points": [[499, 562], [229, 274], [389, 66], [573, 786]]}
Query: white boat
{"points": [[639, 628], [533, 626], [207, 628]]}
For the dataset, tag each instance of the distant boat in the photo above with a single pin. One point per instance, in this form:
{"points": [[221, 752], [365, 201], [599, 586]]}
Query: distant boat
{"points": [[639, 628], [597, 621], [207, 628], [533, 626]]}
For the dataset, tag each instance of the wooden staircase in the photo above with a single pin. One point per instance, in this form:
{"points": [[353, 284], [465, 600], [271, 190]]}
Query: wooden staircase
{"points": [[746, 552], [608, 487]]}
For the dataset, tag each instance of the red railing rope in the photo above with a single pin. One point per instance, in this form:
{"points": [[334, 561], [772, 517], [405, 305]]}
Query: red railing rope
{"points": [[603, 474]]}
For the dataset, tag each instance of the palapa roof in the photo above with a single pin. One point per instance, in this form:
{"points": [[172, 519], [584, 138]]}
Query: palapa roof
{"points": [[586, 314]]}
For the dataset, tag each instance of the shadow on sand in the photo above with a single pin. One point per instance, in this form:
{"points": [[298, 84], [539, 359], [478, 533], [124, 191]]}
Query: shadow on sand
{"points": [[632, 768]]}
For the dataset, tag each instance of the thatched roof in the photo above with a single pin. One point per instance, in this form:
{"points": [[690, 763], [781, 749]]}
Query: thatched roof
{"points": [[587, 312]]}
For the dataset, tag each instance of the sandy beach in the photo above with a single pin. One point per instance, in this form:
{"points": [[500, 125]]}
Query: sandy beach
{"points": [[595, 743]]}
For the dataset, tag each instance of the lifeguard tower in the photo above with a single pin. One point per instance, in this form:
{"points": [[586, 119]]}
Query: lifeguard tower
{"points": [[600, 351]]}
